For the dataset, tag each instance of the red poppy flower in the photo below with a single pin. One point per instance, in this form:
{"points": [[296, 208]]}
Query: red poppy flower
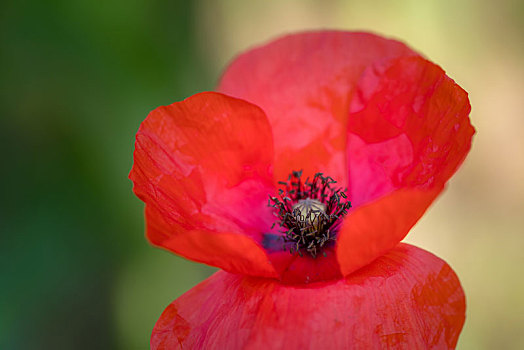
{"points": [[218, 170]]}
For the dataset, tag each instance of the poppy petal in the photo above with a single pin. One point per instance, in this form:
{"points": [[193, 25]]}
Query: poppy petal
{"points": [[407, 299], [203, 168], [305, 82], [409, 131], [296, 269]]}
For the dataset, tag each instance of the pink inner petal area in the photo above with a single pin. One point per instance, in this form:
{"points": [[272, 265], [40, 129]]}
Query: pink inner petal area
{"points": [[203, 167], [408, 126], [409, 131], [407, 299], [304, 83]]}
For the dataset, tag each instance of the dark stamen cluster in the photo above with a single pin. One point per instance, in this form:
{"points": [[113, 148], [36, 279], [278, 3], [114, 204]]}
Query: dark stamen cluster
{"points": [[310, 212]]}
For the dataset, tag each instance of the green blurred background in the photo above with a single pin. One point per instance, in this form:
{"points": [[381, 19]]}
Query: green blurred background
{"points": [[78, 77]]}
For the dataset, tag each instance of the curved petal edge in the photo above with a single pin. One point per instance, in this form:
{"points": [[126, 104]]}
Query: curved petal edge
{"points": [[408, 133], [407, 298], [203, 167]]}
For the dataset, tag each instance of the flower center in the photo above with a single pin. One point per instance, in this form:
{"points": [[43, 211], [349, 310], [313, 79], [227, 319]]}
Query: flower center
{"points": [[309, 213]]}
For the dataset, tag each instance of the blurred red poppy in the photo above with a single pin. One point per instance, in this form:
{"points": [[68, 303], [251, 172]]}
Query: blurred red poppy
{"points": [[388, 125]]}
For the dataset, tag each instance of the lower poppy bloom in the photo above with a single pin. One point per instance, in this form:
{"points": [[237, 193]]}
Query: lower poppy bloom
{"points": [[299, 178]]}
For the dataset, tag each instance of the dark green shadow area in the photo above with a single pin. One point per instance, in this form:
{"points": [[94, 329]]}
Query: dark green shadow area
{"points": [[77, 78]]}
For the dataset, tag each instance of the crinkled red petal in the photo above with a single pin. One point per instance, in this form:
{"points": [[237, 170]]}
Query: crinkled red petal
{"points": [[305, 83], [408, 133], [203, 167], [407, 299]]}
